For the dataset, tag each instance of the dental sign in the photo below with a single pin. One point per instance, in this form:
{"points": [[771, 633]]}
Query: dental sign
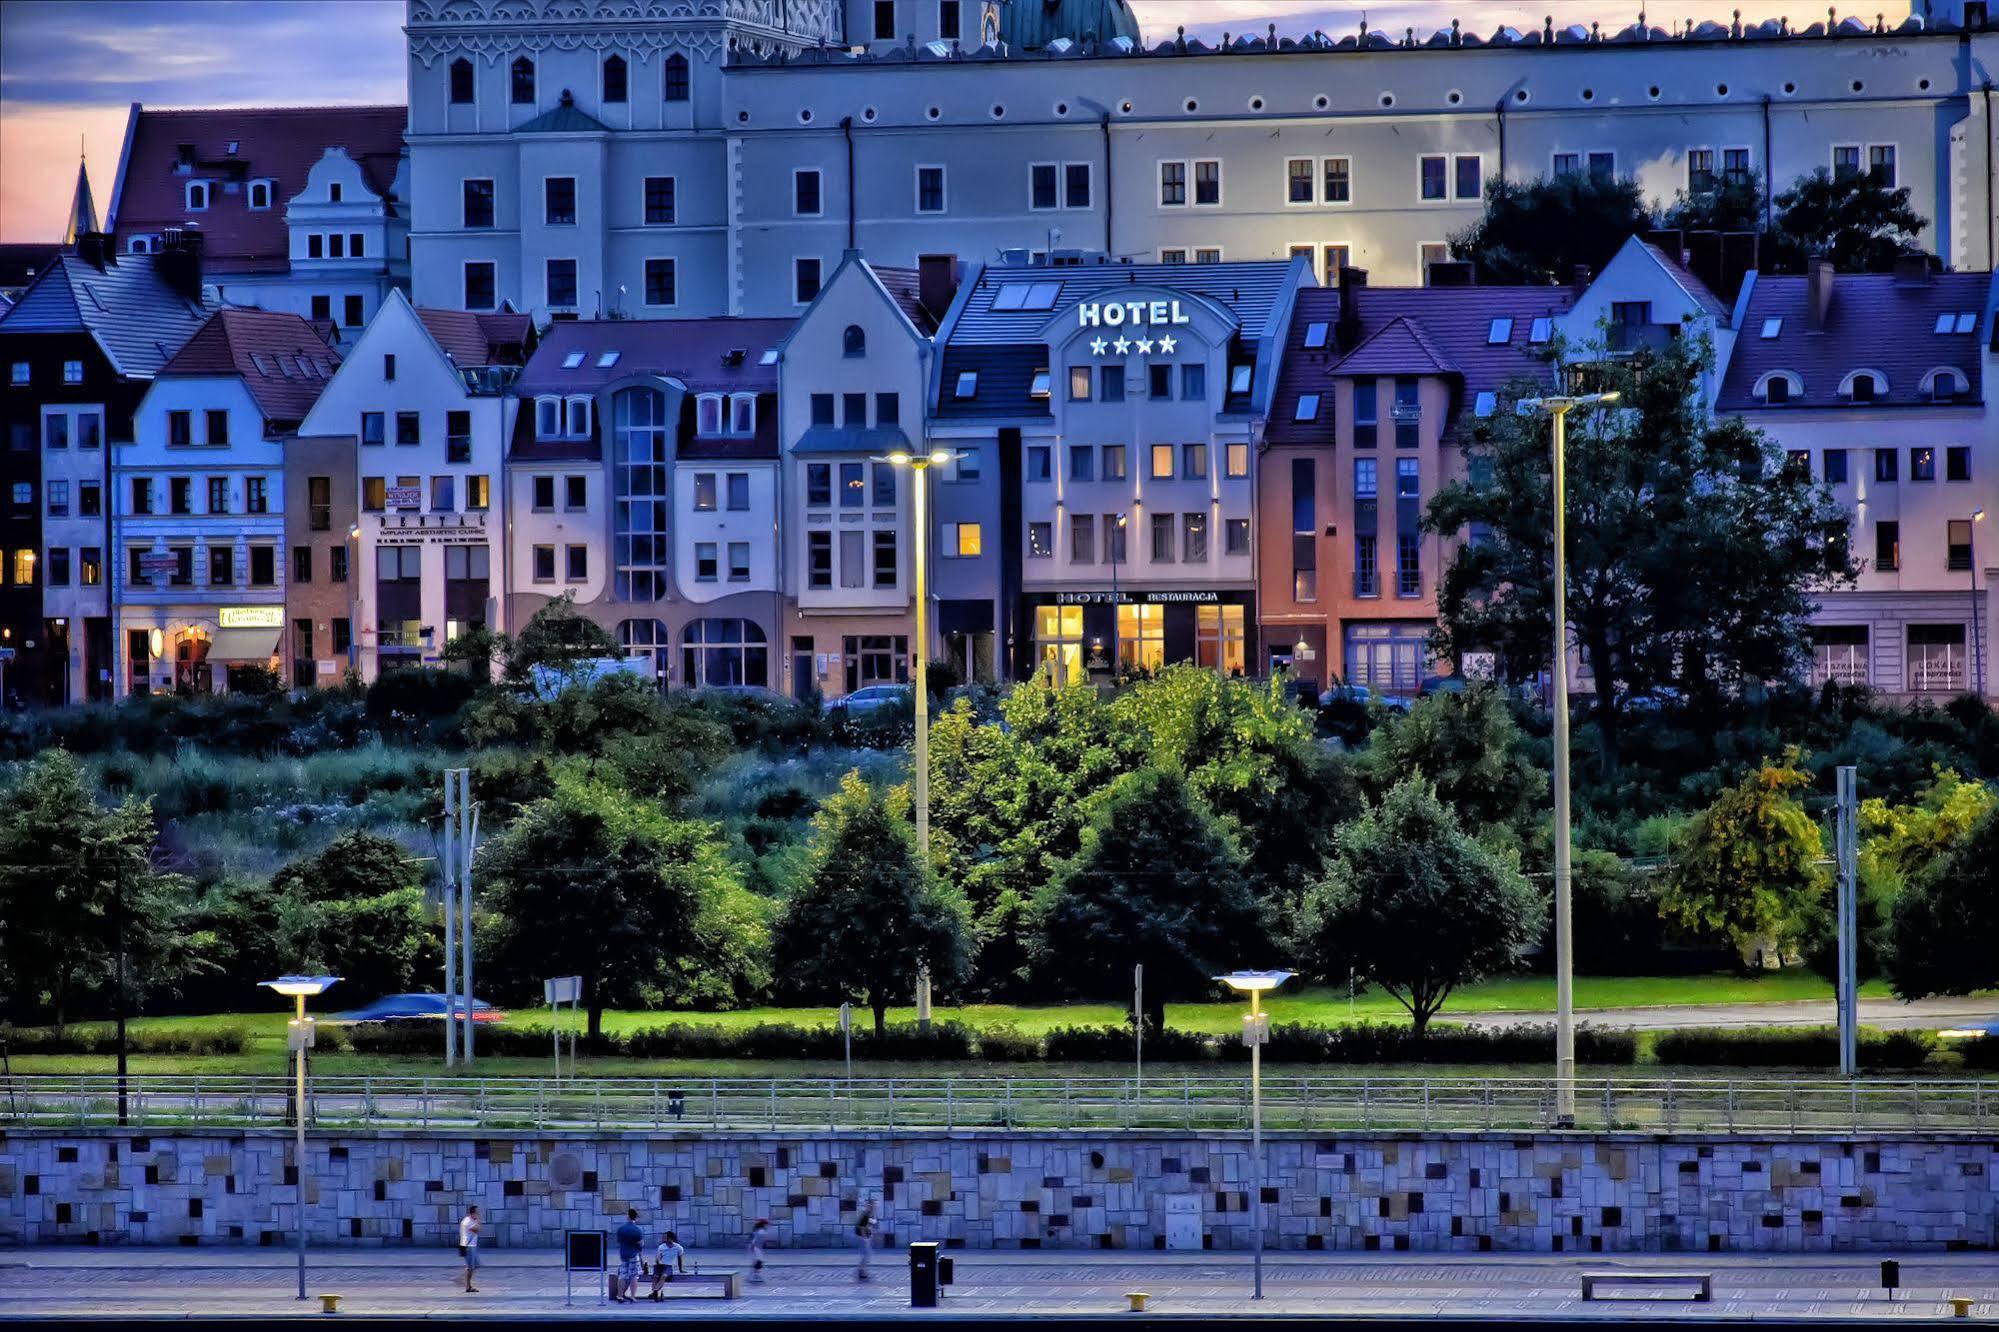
{"points": [[1139, 317]]}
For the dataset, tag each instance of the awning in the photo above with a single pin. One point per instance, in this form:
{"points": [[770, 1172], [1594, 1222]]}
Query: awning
{"points": [[852, 439], [258, 645]]}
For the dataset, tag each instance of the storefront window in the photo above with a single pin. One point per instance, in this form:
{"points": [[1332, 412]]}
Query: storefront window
{"points": [[1058, 641], [1218, 639], [724, 652], [1142, 637], [1387, 657]]}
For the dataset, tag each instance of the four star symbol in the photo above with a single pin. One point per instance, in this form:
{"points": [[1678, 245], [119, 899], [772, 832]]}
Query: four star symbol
{"points": [[1145, 346], [1121, 346], [1167, 344], [1097, 346]]}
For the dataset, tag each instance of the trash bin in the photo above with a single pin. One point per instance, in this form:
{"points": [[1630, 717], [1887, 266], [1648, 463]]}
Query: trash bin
{"points": [[923, 1275]]}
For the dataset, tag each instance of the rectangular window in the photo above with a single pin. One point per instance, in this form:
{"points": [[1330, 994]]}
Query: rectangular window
{"points": [[256, 494], [1079, 383], [1735, 166], [1208, 184], [558, 195], [1408, 565], [1076, 185], [854, 410], [1162, 538], [58, 499], [1040, 541], [1114, 534], [1922, 464], [853, 486], [1082, 462], [704, 492], [738, 491], [1043, 181], [1159, 380], [1700, 170], [662, 286], [480, 285], [1835, 467], [1038, 462], [559, 283], [1193, 461], [301, 564], [1468, 173], [443, 494], [1936, 658], [180, 428], [1300, 180], [543, 491], [1845, 160], [804, 280], [1957, 544], [221, 566], [888, 409], [458, 436], [1431, 177], [947, 20], [1110, 383], [56, 571], [1365, 412], [1114, 462], [89, 566], [89, 499], [544, 564], [1194, 382], [660, 204], [930, 189], [805, 200], [576, 563], [179, 495], [1082, 538], [1162, 462], [477, 496], [1881, 164], [853, 559], [1235, 536], [1886, 465], [885, 557], [1887, 546], [478, 203], [739, 561], [1194, 534], [263, 566], [55, 431], [1172, 184], [819, 559], [142, 494], [884, 485], [1957, 463], [351, 311], [1338, 177], [409, 428], [1237, 461], [963, 540], [215, 426], [884, 20], [818, 485]]}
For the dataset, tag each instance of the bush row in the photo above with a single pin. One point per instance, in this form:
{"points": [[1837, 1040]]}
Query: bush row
{"points": [[96, 1040], [1789, 1047]]}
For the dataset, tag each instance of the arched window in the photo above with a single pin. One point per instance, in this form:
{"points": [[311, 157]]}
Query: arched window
{"points": [[854, 342], [614, 78], [674, 85], [523, 81], [1945, 384], [638, 493], [651, 640], [724, 652], [461, 82], [1864, 386], [1779, 387]]}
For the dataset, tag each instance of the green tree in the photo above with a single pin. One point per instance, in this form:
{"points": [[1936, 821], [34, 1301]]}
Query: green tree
{"points": [[1655, 488], [1539, 232], [868, 917], [1940, 938], [557, 637], [355, 909], [1471, 751], [1860, 224], [1728, 206], [1158, 881], [1747, 868], [1413, 904], [593, 882]]}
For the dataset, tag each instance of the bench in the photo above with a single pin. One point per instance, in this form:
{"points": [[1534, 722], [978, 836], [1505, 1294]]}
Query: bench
{"points": [[726, 1285], [1701, 1282]]}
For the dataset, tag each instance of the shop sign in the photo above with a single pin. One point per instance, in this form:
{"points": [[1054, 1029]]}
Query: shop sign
{"points": [[1203, 597], [404, 497], [152, 564], [1118, 314], [251, 617]]}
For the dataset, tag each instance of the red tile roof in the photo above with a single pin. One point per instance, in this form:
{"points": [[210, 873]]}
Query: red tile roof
{"points": [[280, 144], [471, 339], [281, 359]]}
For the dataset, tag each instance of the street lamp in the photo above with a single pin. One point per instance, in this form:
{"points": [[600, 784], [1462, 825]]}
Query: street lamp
{"points": [[1558, 409], [299, 1038], [920, 464], [1116, 553], [1255, 1031], [1977, 628]]}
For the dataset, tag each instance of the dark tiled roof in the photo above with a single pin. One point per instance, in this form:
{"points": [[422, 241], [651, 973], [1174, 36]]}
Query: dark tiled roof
{"points": [[1693, 286], [851, 439], [472, 339], [905, 286], [1305, 369], [697, 352], [20, 261], [1398, 347], [276, 143], [1876, 321], [283, 363], [138, 318], [1248, 290], [1005, 376]]}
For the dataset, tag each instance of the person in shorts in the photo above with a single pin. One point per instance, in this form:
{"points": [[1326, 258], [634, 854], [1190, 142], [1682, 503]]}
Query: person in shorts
{"points": [[625, 1285], [759, 1233], [670, 1258], [468, 1245], [864, 1240]]}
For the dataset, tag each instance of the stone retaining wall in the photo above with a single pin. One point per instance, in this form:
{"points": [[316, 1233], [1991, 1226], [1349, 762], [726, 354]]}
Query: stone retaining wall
{"points": [[1427, 1192]]}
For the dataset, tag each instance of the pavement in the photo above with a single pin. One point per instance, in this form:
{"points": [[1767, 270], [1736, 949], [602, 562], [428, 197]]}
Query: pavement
{"points": [[134, 1284], [1920, 1014]]}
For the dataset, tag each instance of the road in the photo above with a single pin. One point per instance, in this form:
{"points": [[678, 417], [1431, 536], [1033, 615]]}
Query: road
{"points": [[238, 1283], [1885, 1013]]}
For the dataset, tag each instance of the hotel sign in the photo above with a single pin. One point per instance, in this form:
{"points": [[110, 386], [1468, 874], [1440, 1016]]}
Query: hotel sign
{"points": [[1139, 325], [1128, 596], [251, 617]]}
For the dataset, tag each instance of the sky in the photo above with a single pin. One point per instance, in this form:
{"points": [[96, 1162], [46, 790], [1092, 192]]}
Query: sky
{"points": [[70, 69]]}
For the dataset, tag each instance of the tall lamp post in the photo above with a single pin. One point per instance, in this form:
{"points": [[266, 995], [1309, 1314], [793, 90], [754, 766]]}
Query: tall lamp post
{"points": [[1116, 553], [299, 1037], [1255, 1031], [1558, 409], [919, 465], [1977, 623]]}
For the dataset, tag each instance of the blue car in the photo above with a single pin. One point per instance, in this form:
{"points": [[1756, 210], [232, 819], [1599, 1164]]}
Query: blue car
{"points": [[417, 1008]]}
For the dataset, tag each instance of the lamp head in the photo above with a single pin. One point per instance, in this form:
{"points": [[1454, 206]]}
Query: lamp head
{"points": [[1255, 982], [1978, 515], [294, 986], [899, 458], [941, 456]]}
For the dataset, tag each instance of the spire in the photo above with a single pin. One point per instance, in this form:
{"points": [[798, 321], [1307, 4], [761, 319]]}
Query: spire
{"points": [[82, 209]]}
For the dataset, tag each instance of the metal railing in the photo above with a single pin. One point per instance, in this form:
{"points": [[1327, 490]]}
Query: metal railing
{"points": [[1180, 1104]]}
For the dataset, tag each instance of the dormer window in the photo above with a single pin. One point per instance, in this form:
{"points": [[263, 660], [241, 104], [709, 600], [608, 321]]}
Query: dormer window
{"points": [[1239, 378], [854, 342], [1946, 383], [1772, 327], [1779, 387], [708, 414], [139, 245], [578, 417], [260, 195], [1484, 404], [1541, 331], [1864, 386], [333, 192], [608, 359], [548, 417], [198, 192], [742, 413], [1965, 321]]}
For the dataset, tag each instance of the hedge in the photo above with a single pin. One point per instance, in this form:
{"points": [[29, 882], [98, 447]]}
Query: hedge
{"points": [[100, 1040], [1789, 1047]]}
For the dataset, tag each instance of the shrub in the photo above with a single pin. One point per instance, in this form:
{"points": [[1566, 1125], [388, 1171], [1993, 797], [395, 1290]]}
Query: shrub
{"points": [[1789, 1047], [1113, 1044], [1008, 1045], [1981, 1054], [102, 1039], [419, 694]]}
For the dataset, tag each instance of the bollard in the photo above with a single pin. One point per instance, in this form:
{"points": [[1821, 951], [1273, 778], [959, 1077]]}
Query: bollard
{"points": [[1137, 1299], [1891, 1276], [1960, 1306], [329, 1304], [923, 1274]]}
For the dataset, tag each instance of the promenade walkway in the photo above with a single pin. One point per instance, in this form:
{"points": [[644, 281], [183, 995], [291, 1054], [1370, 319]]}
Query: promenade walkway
{"points": [[139, 1284]]}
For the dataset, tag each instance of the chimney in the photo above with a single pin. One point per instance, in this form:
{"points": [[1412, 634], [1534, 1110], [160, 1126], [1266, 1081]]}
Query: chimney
{"points": [[936, 282], [179, 261], [96, 249], [1581, 276], [1912, 270], [1670, 241], [1451, 273], [1818, 293], [1741, 255], [1351, 281], [1704, 259]]}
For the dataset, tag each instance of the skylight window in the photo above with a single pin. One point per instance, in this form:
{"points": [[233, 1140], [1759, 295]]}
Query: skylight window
{"points": [[769, 357], [1485, 404], [1541, 330], [1042, 296], [968, 385], [1968, 322], [1308, 407], [571, 361], [1946, 322], [607, 360], [1499, 333], [1315, 334], [1039, 388], [1239, 378], [1772, 327], [1011, 295]]}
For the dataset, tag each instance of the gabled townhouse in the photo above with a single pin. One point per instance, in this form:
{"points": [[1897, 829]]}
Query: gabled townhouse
{"points": [[642, 481], [80, 347], [425, 396], [1121, 406], [1877, 385], [1380, 390], [854, 375], [1650, 293], [198, 501], [303, 209]]}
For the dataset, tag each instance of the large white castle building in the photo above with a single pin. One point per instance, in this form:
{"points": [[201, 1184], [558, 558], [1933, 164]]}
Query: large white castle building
{"points": [[678, 158]]}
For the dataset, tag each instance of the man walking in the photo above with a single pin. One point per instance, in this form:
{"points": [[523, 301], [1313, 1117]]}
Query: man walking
{"points": [[864, 1239], [624, 1286], [468, 1245]]}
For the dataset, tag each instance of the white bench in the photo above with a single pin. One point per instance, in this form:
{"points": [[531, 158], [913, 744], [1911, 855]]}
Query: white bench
{"points": [[1701, 1283], [726, 1285]]}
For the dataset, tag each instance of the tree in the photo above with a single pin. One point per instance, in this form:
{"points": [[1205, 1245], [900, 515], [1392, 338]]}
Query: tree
{"points": [[355, 909], [1730, 205], [556, 637], [1158, 881], [1470, 750], [1860, 224], [1940, 937], [867, 917], [594, 882], [1414, 905], [1539, 232], [1655, 489], [1747, 868]]}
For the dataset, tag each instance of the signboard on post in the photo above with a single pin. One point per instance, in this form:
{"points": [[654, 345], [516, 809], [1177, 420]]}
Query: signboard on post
{"points": [[583, 1251], [557, 991], [847, 1031]]}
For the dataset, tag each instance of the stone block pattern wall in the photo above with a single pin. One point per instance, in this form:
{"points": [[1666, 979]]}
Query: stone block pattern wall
{"points": [[1426, 1193]]}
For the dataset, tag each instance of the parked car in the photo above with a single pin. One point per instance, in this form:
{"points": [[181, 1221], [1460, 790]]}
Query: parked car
{"points": [[1658, 699], [1442, 684], [416, 1008], [871, 699], [1973, 1031], [757, 692], [1362, 695]]}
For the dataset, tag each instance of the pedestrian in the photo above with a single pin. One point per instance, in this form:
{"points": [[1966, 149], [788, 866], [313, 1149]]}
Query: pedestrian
{"points": [[670, 1258], [624, 1286], [864, 1239], [468, 1245], [758, 1233]]}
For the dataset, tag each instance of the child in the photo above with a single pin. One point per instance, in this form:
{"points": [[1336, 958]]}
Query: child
{"points": [[669, 1259], [758, 1234]]}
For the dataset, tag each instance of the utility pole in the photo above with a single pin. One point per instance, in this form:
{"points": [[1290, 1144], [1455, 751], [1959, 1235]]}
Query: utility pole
{"points": [[448, 864], [1846, 848], [468, 845]]}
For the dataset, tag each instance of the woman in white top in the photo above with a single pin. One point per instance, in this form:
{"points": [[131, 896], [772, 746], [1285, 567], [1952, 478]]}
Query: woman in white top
{"points": [[468, 1245]]}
